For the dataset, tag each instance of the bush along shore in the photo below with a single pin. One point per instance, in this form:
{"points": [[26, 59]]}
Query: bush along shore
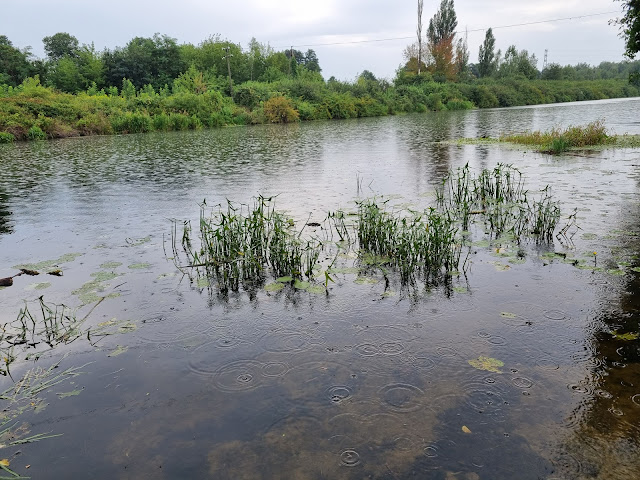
{"points": [[31, 111]]}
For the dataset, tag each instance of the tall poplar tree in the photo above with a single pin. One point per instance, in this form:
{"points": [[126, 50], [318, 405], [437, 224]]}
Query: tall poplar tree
{"points": [[486, 55], [440, 35]]}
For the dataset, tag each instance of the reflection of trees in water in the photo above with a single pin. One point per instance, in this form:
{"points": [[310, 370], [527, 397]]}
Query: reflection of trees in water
{"points": [[606, 439], [5, 213], [431, 160]]}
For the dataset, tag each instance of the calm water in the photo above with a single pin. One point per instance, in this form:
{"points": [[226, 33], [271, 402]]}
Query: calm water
{"points": [[296, 385]]}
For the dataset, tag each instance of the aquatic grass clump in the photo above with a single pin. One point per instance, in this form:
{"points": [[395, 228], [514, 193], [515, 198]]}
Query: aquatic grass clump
{"points": [[242, 245], [558, 141], [499, 197], [422, 244]]}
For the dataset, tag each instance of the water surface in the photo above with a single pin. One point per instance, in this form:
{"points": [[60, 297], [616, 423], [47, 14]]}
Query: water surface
{"points": [[352, 384]]}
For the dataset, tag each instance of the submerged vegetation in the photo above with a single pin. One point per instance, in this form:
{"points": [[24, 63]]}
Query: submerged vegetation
{"points": [[242, 246]]}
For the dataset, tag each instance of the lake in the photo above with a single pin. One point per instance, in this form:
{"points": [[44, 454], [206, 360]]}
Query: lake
{"points": [[526, 365]]}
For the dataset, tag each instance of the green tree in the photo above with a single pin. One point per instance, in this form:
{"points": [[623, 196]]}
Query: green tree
{"points": [[156, 61], [14, 63], [311, 61], [65, 76], [630, 27], [440, 35], [462, 59], [60, 45], [486, 55], [443, 24], [518, 63]]}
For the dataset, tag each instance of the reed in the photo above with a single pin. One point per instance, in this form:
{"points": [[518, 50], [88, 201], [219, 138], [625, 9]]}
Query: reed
{"points": [[499, 197], [242, 245], [418, 245]]}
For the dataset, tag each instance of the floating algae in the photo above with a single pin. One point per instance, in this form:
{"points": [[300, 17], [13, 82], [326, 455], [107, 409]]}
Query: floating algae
{"points": [[487, 363]]}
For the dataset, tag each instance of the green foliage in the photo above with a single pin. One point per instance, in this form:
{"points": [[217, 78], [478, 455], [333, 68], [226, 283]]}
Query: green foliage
{"points": [[6, 137], [443, 24], [128, 89], [60, 45], [558, 141], [280, 110], [486, 55], [14, 63], [36, 133], [630, 27]]}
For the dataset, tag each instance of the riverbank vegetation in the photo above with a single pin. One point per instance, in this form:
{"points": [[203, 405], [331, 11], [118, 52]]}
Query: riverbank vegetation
{"points": [[156, 84]]}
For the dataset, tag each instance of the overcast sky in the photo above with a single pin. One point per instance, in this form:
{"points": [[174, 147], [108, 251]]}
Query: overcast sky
{"points": [[305, 24]]}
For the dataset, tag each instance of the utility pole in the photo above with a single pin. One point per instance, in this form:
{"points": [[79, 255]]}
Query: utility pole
{"points": [[544, 64], [228, 49]]}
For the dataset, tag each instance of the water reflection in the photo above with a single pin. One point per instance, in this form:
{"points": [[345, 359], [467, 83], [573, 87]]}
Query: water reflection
{"points": [[5, 213]]}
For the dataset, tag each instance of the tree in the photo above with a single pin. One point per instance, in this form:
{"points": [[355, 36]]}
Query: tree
{"points": [[440, 35], [14, 63], [311, 61], [462, 58], [60, 45], [419, 32], [630, 27], [156, 61], [518, 63], [486, 55], [443, 24]]}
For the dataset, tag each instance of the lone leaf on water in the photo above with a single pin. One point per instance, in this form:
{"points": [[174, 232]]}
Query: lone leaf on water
{"points": [[625, 336], [4, 462], [465, 429], [487, 363], [72, 393]]}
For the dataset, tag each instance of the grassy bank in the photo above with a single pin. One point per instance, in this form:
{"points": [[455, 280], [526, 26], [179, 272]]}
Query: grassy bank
{"points": [[35, 112]]}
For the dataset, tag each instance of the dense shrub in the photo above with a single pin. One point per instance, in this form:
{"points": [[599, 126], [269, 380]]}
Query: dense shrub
{"points": [[280, 110], [6, 137]]}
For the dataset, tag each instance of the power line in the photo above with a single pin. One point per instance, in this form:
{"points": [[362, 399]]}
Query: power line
{"points": [[377, 40]]}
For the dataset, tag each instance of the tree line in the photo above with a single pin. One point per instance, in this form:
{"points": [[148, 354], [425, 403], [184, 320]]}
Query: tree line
{"points": [[156, 84], [443, 55], [156, 61]]}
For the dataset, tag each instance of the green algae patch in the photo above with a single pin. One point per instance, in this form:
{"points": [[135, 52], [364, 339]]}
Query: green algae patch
{"points": [[344, 270], [110, 265], [301, 285], [487, 363], [500, 267], [49, 265], [104, 276], [38, 286], [317, 289], [274, 287], [366, 281], [72, 393], [140, 266], [118, 351]]}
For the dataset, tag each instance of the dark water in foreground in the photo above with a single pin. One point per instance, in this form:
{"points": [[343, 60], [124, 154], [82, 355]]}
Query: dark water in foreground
{"points": [[294, 385]]}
